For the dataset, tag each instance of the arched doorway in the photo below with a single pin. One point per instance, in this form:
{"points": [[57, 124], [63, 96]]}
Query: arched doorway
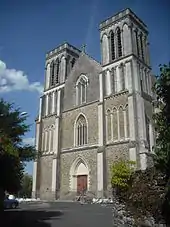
{"points": [[79, 176]]}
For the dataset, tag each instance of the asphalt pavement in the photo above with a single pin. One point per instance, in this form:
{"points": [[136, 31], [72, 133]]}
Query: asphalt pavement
{"points": [[58, 214]]}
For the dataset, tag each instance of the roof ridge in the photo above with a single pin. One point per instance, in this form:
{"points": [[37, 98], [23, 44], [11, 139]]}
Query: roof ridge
{"points": [[92, 58]]}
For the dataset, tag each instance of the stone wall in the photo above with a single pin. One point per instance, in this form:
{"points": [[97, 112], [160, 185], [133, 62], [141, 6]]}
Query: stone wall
{"points": [[67, 159], [89, 67], [46, 177], [116, 100], [113, 153], [48, 121], [68, 121], [148, 109]]}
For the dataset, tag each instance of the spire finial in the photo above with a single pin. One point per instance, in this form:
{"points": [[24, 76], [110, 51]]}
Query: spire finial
{"points": [[83, 48]]}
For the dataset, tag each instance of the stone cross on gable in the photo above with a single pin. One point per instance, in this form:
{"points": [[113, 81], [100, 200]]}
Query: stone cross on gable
{"points": [[83, 48]]}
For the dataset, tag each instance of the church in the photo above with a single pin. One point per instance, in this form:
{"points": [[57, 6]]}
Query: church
{"points": [[92, 114]]}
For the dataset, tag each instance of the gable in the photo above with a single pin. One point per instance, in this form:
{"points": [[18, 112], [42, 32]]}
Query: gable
{"points": [[91, 69]]}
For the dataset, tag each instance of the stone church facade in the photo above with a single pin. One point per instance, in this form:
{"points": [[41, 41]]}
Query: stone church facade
{"points": [[92, 114]]}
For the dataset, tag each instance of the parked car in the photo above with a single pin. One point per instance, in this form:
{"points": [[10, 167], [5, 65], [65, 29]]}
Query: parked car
{"points": [[10, 203]]}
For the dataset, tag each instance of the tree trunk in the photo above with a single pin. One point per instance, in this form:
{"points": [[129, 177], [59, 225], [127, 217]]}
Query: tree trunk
{"points": [[2, 196]]}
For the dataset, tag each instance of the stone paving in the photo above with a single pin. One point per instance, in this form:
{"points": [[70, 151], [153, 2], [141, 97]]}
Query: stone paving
{"points": [[60, 214]]}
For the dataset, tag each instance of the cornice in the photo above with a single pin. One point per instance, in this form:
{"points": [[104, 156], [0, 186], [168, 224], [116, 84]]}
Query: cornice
{"points": [[119, 142], [83, 148], [112, 96], [80, 106]]}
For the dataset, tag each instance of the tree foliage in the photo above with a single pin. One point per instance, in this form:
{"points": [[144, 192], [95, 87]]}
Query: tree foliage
{"points": [[146, 194], [13, 153], [121, 173], [26, 186], [162, 121]]}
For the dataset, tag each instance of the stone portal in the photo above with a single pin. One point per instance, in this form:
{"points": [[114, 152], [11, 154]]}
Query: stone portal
{"points": [[81, 184], [79, 176]]}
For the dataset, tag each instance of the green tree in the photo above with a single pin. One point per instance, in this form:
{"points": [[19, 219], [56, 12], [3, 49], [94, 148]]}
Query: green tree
{"points": [[26, 186], [162, 120], [162, 123], [13, 154]]}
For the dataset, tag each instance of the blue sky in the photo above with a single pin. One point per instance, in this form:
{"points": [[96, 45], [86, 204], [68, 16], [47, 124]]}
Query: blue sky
{"points": [[29, 29]]}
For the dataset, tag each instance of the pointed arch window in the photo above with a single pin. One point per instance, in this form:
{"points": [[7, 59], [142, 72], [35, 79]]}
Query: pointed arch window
{"points": [[113, 74], [50, 103], [52, 81], [141, 44], [57, 67], [119, 42], [109, 126], [52, 138], [47, 141], [81, 89], [81, 131], [127, 121], [147, 130], [73, 62], [68, 65], [137, 42], [112, 45], [115, 124], [43, 105], [122, 76], [121, 123], [43, 142]]}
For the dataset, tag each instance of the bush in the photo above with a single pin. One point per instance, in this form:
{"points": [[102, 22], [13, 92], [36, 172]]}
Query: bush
{"points": [[121, 174], [146, 194]]}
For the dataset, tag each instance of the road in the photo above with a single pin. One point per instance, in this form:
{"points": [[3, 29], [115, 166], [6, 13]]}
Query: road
{"points": [[59, 214]]}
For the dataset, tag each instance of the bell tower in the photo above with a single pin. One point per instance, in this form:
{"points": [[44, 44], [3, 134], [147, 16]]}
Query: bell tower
{"points": [[126, 69], [59, 63]]}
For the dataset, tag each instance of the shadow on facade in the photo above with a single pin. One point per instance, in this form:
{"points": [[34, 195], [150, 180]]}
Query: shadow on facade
{"points": [[27, 218]]}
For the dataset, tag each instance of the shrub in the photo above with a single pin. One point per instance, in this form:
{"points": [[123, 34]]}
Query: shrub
{"points": [[121, 174]]}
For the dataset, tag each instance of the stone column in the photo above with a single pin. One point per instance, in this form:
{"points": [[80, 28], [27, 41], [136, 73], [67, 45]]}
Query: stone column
{"points": [[46, 106], [149, 82], [151, 136], [132, 131], [136, 76], [141, 129], [125, 123], [122, 42], [108, 83], [49, 144], [144, 47], [53, 101], [34, 183], [100, 158], [147, 53], [144, 79], [131, 48], [100, 172], [47, 76], [134, 45], [55, 173], [131, 111], [118, 125], [129, 76], [35, 167], [40, 109], [64, 65], [46, 139], [54, 177], [58, 102]]}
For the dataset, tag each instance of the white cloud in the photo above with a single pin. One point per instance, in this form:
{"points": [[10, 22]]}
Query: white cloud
{"points": [[12, 80], [30, 141]]}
